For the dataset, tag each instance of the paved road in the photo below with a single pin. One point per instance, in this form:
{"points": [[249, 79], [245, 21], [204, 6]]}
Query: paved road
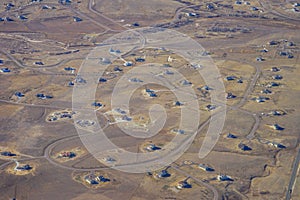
{"points": [[292, 182]]}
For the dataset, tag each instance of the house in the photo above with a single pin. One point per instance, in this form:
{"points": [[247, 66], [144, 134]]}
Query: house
{"points": [[91, 179], [140, 59], [178, 131], [283, 53], [128, 64], [43, 96], [39, 63], [117, 69], [230, 96], [136, 24], [7, 153], [170, 59], [77, 19], [210, 107], [65, 2], [273, 42], [272, 84], [275, 69], [135, 80], [111, 50], [163, 174], [126, 118], [290, 44], [8, 19], [23, 168], [168, 72], [71, 83], [152, 147], [222, 177], [69, 69], [277, 127], [296, 4], [261, 99], [276, 113], [240, 81], [266, 91], [191, 14], [206, 87], [150, 93], [183, 184], [210, 7], [22, 17], [120, 111], [109, 159], [196, 66], [68, 154], [276, 145], [277, 77], [205, 168], [230, 78], [102, 80], [253, 8], [46, 7], [185, 82], [102, 179], [79, 79], [264, 50], [244, 147], [85, 123], [178, 103], [229, 135], [259, 59], [5, 70], [9, 6], [19, 94], [97, 104]]}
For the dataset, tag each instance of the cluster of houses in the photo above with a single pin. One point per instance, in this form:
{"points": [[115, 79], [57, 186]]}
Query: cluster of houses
{"points": [[43, 96], [60, 115], [232, 78], [67, 154], [39, 95], [7, 153], [92, 179]]}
